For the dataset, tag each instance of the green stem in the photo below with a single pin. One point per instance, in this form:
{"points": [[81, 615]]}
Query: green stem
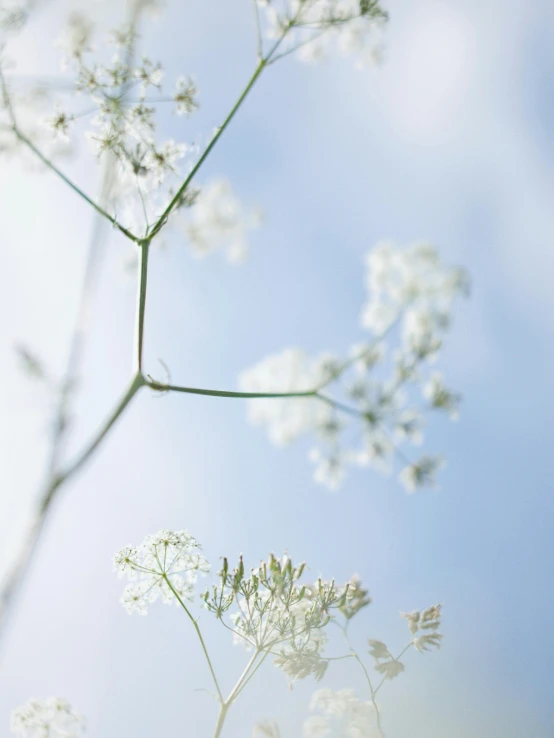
{"points": [[158, 386], [17, 572], [372, 691], [84, 456], [165, 215], [200, 638], [220, 720], [241, 682], [30, 145], [141, 304], [396, 658]]}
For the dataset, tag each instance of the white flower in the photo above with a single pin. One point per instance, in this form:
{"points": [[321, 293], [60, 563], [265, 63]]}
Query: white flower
{"points": [[329, 469], [76, 37], [217, 220], [165, 564], [422, 473], [185, 96], [316, 727], [314, 27], [290, 371], [440, 397], [341, 711], [53, 717]]}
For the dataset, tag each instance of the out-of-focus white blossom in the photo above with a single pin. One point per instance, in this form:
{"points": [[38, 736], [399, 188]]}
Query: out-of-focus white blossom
{"points": [[53, 717], [341, 713], [422, 473], [186, 96], [411, 296], [440, 397], [312, 28], [218, 221], [290, 371], [165, 564]]}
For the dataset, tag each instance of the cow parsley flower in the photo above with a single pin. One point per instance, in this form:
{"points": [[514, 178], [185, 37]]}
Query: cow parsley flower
{"points": [[165, 564], [290, 371], [186, 96], [422, 473], [53, 717], [411, 297], [217, 220], [272, 611], [312, 28], [340, 712]]}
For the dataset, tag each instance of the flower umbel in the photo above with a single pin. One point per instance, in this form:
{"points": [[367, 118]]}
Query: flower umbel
{"points": [[165, 564], [52, 717]]}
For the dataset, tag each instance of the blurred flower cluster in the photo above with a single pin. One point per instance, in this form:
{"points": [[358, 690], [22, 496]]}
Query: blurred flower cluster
{"points": [[384, 389], [53, 717], [312, 28], [340, 713]]}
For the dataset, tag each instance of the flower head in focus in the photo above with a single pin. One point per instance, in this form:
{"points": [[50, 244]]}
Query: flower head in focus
{"points": [[165, 565]]}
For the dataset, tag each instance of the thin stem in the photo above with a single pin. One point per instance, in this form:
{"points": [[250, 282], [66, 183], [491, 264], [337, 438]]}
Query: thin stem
{"points": [[75, 355], [258, 29], [372, 691], [200, 638], [141, 304], [176, 198], [315, 394], [241, 682], [31, 146], [395, 658], [16, 574], [220, 720], [158, 386], [260, 662], [242, 679]]}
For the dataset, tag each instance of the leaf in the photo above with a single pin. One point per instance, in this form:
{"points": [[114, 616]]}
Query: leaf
{"points": [[390, 669], [378, 650], [270, 730], [428, 641]]}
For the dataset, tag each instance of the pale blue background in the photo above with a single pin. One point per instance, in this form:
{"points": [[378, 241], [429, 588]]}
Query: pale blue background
{"points": [[451, 140]]}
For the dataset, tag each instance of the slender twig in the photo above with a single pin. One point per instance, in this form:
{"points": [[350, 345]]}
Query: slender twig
{"points": [[395, 658], [141, 304], [200, 637], [258, 29], [158, 386], [162, 220], [15, 576], [372, 691], [250, 676]]}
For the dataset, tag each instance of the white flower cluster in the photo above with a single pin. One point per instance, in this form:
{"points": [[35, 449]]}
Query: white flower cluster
{"points": [[219, 221], [340, 713], [166, 564], [291, 371], [278, 614], [53, 717], [411, 295], [313, 27], [124, 124]]}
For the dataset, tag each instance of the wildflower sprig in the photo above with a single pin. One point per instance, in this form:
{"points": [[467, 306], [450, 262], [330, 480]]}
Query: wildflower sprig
{"points": [[270, 610], [165, 565], [52, 717], [380, 387], [313, 27]]}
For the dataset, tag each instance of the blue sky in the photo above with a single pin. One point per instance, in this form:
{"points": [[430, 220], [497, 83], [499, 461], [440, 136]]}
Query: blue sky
{"points": [[450, 140]]}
